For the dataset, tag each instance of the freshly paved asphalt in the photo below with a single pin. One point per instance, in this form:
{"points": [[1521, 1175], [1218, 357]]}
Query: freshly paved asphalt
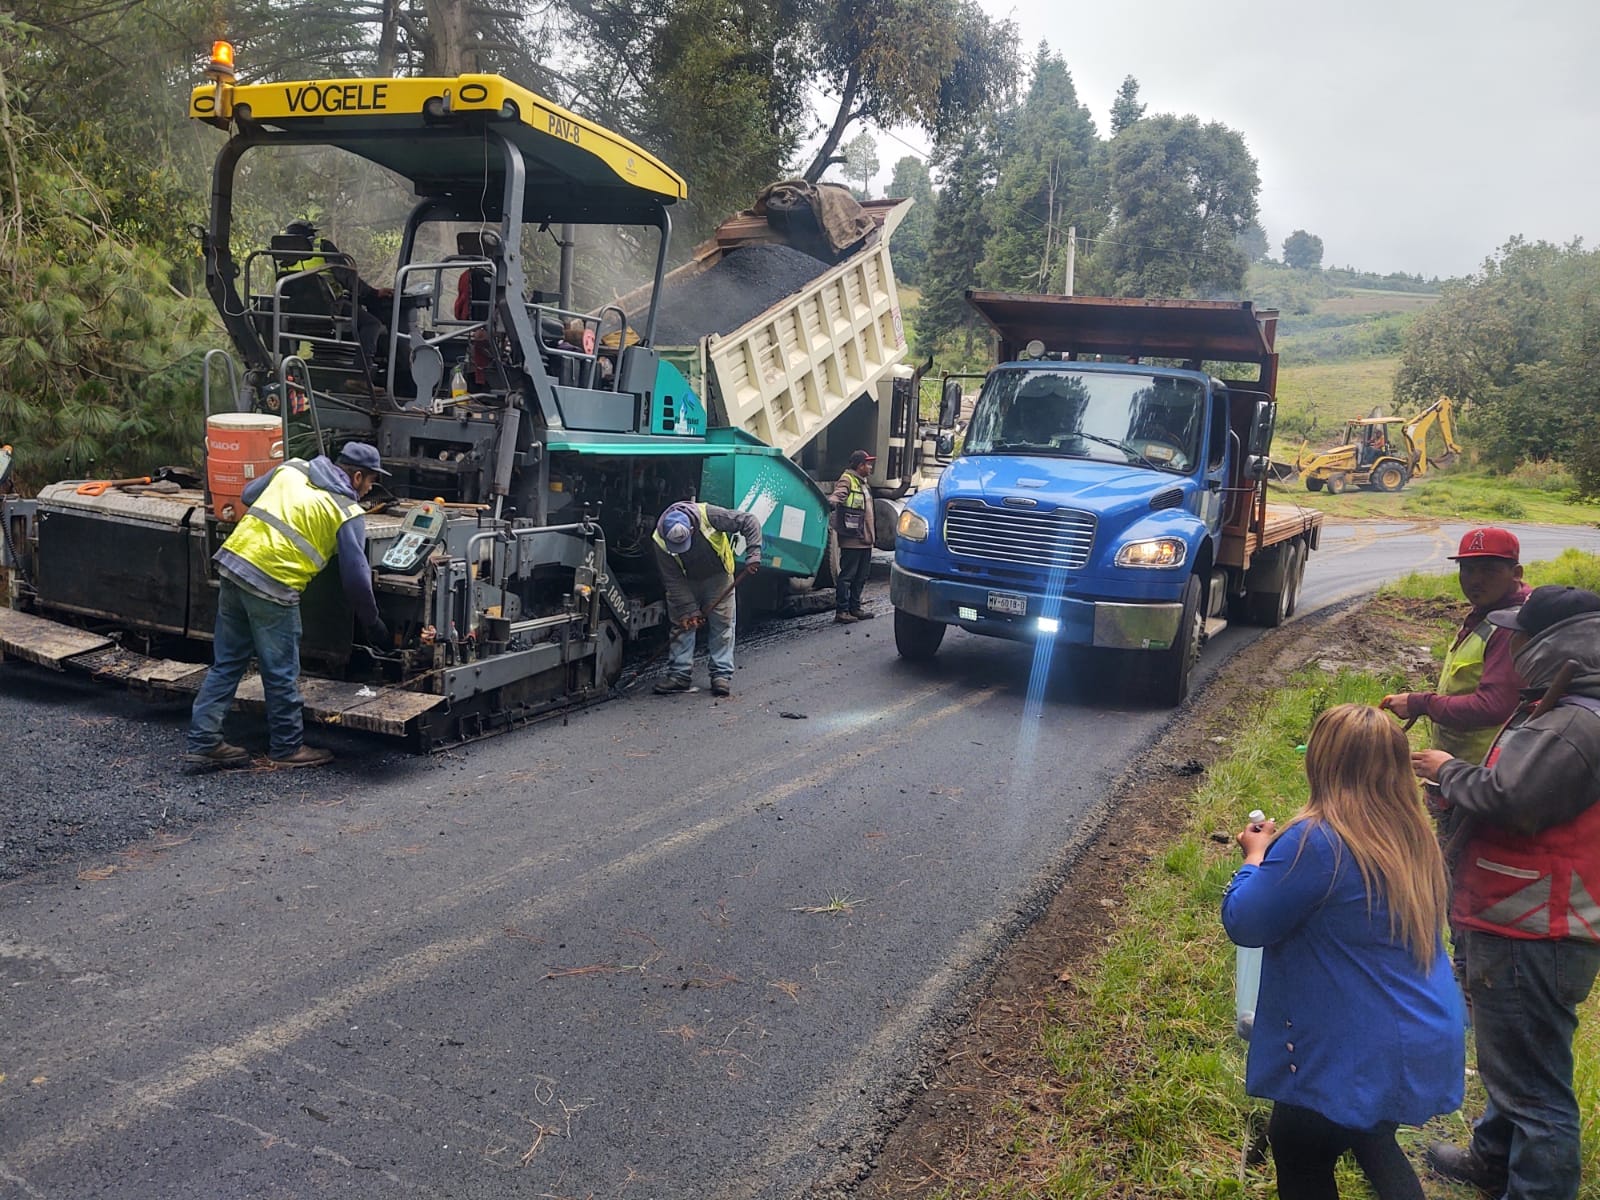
{"points": [[672, 948]]}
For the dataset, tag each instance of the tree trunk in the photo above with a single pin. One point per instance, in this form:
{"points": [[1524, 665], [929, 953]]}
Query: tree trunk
{"points": [[450, 28], [825, 153], [388, 37]]}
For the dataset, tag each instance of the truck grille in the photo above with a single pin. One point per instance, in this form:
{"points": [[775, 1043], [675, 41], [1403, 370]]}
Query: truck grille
{"points": [[1059, 538]]}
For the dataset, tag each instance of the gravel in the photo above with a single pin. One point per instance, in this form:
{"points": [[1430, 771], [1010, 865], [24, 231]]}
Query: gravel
{"points": [[90, 769], [744, 284]]}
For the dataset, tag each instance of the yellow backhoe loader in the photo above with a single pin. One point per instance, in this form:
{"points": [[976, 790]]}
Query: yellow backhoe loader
{"points": [[1383, 453]]}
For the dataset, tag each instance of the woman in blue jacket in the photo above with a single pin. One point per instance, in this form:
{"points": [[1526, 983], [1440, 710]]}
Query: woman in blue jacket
{"points": [[1359, 1026]]}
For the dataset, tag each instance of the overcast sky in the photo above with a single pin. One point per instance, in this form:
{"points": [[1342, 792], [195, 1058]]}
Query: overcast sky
{"points": [[1410, 135]]}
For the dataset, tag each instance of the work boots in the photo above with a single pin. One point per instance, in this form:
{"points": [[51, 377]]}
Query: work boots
{"points": [[1462, 1164], [305, 756], [844, 618], [721, 687], [221, 755]]}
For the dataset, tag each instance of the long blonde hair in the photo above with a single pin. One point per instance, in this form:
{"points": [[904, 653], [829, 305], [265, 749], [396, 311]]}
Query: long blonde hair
{"points": [[1359, 766]]}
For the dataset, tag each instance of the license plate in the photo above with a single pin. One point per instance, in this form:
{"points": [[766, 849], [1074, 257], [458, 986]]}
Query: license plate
{"points": [[1008, 603]]}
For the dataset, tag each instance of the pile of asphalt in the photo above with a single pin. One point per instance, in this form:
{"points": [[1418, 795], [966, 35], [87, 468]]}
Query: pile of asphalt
{"points": [[743, 285], [89, 770]]}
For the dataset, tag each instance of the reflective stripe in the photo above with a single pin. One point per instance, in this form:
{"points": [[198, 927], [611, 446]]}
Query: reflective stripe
{"points": [[290, 532], [1526, 911]]}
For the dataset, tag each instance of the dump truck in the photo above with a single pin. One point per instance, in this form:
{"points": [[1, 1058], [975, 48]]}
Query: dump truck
{"points": [[1382, 453], [800, 346], [1110, 494], [530, 448]]}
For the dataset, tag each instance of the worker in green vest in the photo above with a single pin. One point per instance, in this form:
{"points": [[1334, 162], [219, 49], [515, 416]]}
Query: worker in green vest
{"points": [[301, 516], [1478, 685]]}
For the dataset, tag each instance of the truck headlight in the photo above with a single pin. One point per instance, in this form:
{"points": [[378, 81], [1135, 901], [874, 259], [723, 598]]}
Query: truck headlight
{"points": [[1158, 552], [912, 527]]}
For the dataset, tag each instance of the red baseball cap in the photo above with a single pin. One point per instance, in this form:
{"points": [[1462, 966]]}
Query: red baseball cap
{"points": [[1488, 543]]}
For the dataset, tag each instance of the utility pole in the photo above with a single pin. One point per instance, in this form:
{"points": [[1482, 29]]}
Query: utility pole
{"points": [[1072, 256]]}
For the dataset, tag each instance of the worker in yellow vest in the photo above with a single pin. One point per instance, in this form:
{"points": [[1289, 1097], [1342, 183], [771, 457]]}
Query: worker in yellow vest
{"points": [[694, 553], [853, 523], [1478, 685], [301, 515]]}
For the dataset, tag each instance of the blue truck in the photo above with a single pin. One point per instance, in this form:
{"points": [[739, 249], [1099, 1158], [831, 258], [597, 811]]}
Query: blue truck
{"points": [[1110, 492]]}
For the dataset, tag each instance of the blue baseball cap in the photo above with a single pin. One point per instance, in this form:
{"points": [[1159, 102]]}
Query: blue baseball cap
{"points": [[676, 530], [363, 457]]}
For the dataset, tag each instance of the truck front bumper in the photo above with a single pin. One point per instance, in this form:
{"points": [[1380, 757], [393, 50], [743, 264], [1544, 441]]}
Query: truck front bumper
{"points": [[1112, 625]]}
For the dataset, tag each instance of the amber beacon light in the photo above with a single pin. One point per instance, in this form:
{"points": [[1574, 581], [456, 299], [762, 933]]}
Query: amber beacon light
{"points": [[221, 65]]}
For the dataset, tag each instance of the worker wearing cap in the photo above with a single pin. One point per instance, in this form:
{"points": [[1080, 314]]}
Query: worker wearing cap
{"points": [[1526, 900], [694, 553], [852, 522], [301, 514], [1478, 685]]}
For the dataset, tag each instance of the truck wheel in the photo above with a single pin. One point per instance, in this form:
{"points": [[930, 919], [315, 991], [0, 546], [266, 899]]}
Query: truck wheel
{"points": [[1294, 579], [1174, 667], [1389, 477], [916, 638], [885, 522], [1313, 484], [1272, 609], [1337, 482]]}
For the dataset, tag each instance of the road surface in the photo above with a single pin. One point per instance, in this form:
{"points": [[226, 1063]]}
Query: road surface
{"points": [[671, 948]]}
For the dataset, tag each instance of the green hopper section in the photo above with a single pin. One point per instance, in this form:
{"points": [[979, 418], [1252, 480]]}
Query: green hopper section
{"points": [[738, 471]]}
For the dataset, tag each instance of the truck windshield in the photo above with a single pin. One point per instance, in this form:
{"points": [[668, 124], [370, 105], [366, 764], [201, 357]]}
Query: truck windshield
{"points": [[1116, 417]]}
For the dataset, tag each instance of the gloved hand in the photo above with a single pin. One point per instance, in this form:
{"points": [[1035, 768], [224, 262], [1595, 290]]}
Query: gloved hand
{"points": [[378, 635], [752, 565]]}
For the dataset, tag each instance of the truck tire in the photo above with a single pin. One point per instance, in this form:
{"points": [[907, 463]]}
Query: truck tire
{"points": [[1173, 667], [1272, 609], [916, 638], [1389, 477], [1313, 483], [1300, 553], [885, 523]]}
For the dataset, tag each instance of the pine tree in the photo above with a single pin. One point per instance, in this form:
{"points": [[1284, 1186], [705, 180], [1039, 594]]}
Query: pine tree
{"points": [[1048, 183], [1126, 109]]}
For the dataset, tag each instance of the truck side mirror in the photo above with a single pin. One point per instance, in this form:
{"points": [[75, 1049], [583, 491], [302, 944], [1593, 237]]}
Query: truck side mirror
{"points": [[1261, 427], [950, 403]]}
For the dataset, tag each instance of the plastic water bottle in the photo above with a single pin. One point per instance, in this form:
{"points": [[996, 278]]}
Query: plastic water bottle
{"points": [[458, 383], [1246, 973]]}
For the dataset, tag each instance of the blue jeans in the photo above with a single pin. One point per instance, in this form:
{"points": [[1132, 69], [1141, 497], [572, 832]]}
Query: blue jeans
{"points": [[719, 632], [249, 626], [1525, 996], [855, 568]]}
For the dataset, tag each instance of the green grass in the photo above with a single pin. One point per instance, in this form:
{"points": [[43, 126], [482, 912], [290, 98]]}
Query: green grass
{"points": [[1573, 567], [1321, 397], [1146, 1095], [1451, 495], [1367, 301]]}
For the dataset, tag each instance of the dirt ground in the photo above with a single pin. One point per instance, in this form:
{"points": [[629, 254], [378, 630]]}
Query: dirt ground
{"points": [[953, 1136]]}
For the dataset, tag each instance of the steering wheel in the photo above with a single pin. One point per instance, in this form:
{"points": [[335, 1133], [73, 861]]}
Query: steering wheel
{"points": [[1163, 446]]}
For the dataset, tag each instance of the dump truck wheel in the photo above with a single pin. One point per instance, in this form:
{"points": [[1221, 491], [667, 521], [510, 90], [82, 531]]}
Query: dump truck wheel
{"points": [[916, 638], [1173, 667], [885, 521], [1389, 477], [1337, 482], [1313, 484], [1300, 556]]}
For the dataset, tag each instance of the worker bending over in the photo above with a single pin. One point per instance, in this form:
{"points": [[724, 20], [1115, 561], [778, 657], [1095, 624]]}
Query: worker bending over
{"points": [[301, 514], [694, 552]]}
